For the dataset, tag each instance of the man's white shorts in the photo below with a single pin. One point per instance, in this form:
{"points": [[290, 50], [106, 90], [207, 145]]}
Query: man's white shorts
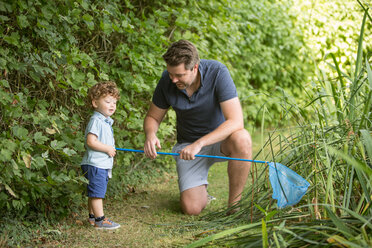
{"points": [[193, 173]]}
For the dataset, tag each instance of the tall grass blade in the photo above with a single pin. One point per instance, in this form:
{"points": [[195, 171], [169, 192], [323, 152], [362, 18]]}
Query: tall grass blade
{"points": [[356, 216], [357, 164], [265, 238], [358, 66], [276, 240], [329, 186], [340, 225], [350, 187], [368, 105], [221, 235], [367, 141], [369, 75], [335, 91], [363, 183]]}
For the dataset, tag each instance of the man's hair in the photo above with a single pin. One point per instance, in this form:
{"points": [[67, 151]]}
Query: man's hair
{"points": [[103, 89], [182, 51]]}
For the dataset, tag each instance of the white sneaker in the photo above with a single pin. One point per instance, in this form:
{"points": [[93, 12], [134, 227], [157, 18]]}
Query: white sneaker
{"points": [[210, 198]]}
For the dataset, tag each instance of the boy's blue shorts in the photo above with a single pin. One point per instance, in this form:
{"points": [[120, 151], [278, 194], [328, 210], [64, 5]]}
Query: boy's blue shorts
{"points": [[98, 179]]}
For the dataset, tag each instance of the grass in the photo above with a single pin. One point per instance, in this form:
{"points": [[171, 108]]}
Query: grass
{"points": [[150, 216]]}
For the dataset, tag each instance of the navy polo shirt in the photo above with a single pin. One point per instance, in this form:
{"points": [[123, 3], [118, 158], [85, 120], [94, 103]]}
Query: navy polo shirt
{"points": [[201, 113]]}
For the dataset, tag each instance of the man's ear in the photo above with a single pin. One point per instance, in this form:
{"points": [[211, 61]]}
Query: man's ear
{"points": [[196, 66]]}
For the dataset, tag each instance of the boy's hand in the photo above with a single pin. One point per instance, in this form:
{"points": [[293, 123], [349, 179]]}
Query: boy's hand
{"points": [[111, 151], [95, 144]]}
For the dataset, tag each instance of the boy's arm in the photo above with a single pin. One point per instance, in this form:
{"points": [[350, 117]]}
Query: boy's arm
{"points": [[95, 144]]}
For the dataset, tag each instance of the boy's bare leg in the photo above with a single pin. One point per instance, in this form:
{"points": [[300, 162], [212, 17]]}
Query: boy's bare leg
{"points": [[96, 205], [90, 209]]}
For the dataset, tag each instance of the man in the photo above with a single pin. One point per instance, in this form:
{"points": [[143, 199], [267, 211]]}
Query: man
{"points": [[209, 121]]}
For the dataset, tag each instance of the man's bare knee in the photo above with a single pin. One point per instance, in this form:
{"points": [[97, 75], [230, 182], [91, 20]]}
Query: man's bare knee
{"points": [[243, 141], [191, 209], [238, 144], [194, 200]]}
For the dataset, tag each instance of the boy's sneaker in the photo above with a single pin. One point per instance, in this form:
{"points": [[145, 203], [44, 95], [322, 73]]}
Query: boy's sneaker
{"points": [[210, 198], [106, 224], [91, 221]]}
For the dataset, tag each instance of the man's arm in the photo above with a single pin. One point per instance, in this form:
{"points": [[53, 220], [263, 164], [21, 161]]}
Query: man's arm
{"points": [[151, 125], [233, 113]]}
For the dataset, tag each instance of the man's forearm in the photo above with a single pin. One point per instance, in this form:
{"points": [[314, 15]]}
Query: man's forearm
{"points": [[234, 122], [150, 126], [221, 133]]}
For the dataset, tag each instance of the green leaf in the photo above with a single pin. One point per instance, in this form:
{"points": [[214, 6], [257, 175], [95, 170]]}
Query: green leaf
{"points": [[22, 21], [3, 63], [87, 18], [3, 18], [5, 83], [13, 39], [5, 155], [72, 173], [40, 138], [34, 76], [47, 12], [38, 162], [69, 151], [103, 76], [20, 132], [51, 181], [85, 5], [57, 145]]}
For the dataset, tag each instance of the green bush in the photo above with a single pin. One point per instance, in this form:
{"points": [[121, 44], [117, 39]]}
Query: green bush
{"points": [[51, 52]]}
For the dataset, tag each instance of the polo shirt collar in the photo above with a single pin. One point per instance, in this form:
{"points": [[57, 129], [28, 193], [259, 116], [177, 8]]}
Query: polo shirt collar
{"points": [[201, 71], [100, 116]]}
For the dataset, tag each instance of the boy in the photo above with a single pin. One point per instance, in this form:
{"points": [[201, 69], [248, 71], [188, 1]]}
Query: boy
{"points": [[100, 150]]}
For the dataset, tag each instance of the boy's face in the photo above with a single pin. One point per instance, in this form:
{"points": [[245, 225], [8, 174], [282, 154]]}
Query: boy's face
{"points": [[105, 105]]}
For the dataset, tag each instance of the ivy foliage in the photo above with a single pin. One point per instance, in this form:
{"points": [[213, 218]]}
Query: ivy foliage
{"points": [[52, 52]]}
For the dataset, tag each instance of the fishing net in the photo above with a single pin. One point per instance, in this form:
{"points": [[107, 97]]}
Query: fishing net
{"points": [[288, 186]]}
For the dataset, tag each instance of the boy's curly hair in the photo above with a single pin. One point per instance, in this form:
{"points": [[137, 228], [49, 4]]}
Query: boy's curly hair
{"points": [[103, 89]]}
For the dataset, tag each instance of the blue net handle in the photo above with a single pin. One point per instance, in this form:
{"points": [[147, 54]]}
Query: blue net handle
{"points": [[288, 186]]}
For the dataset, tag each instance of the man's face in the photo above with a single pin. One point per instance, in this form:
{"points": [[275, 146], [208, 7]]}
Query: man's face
{"points": [[181, 77]]}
